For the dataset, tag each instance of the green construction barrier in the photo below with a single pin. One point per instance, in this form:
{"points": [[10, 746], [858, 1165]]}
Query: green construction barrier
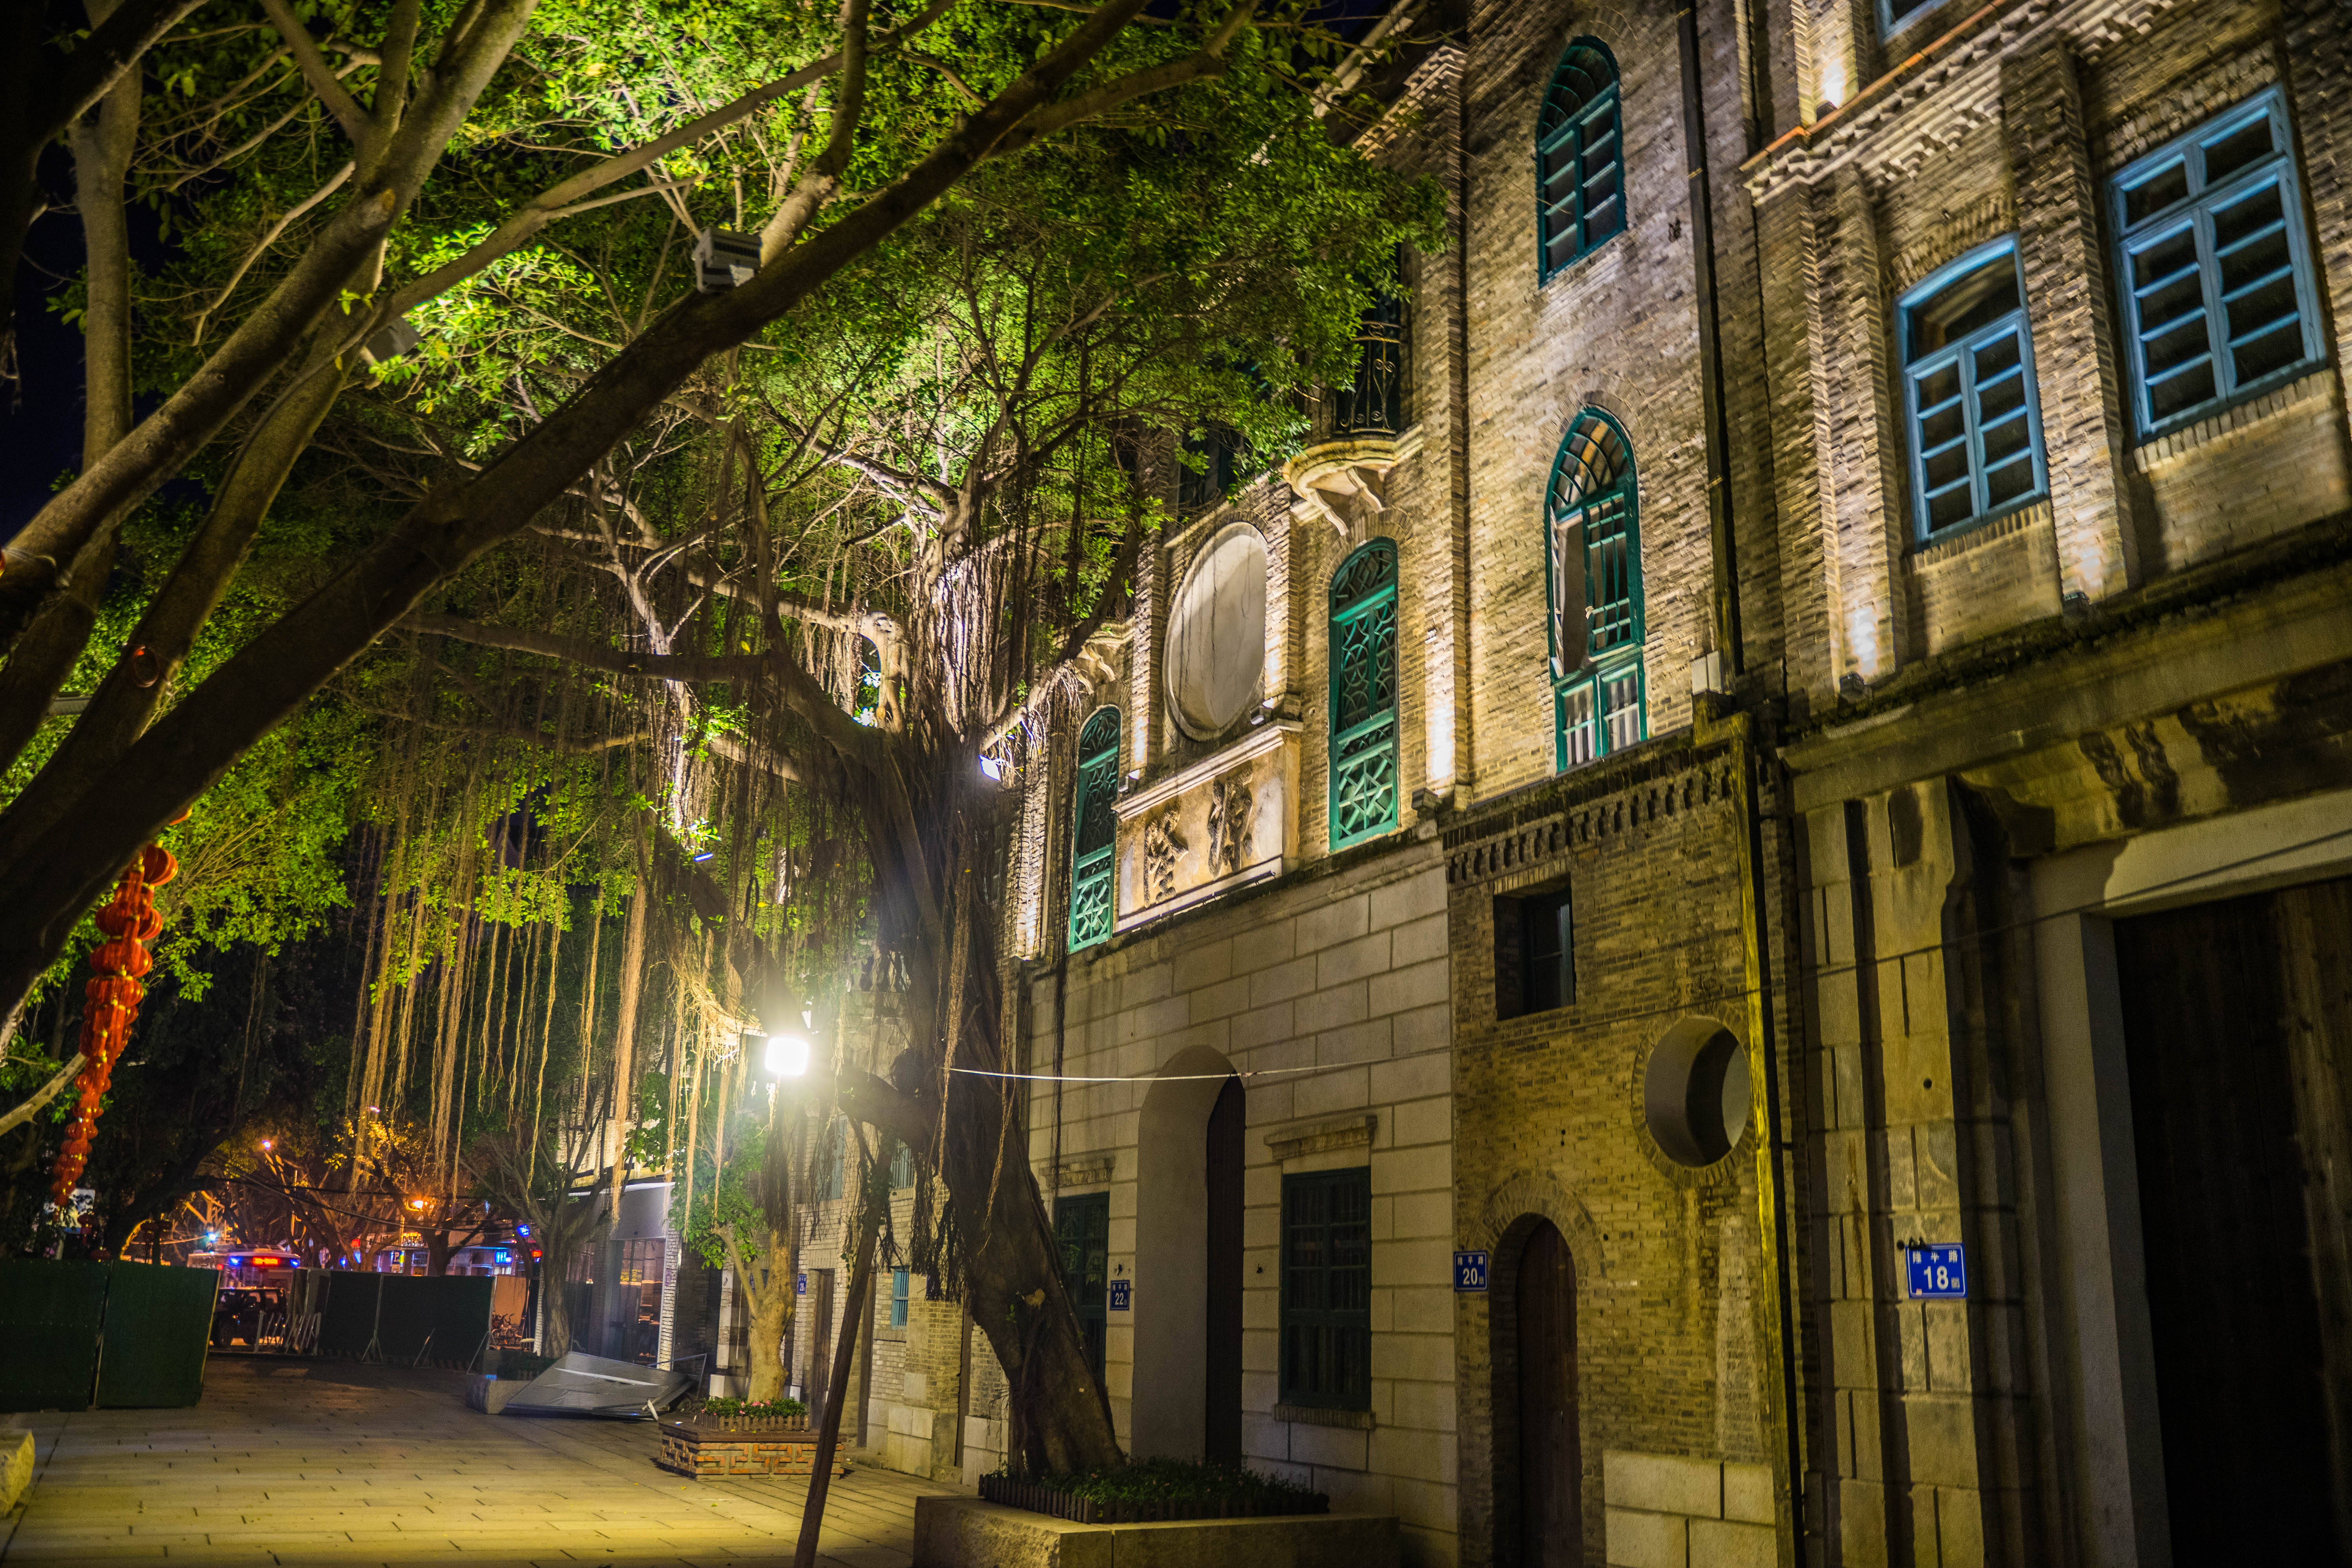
{"points": [[158, 1330], [347, 1321], [461, 1319], [400, 1333], [51, 1315]]}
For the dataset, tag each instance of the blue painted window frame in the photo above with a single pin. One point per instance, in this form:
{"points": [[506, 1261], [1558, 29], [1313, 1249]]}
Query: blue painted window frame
{"points": [[1965, 358], [1094, 879], [1372, 738], [1581, 113], [1891, 23], [1602, 707], [898, 1293], [2193, 214]]}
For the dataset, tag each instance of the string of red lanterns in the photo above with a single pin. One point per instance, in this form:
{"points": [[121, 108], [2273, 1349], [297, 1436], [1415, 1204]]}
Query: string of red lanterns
{"points": [[130, 922]]}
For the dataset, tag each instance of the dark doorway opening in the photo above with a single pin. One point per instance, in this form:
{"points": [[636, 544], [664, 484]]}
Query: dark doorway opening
{"points": [[1223, 1433], [2238, 1030], [1549, 1469]]}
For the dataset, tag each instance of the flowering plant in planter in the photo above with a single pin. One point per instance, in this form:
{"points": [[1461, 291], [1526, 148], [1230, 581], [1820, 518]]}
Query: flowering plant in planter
{"points": [[1154, 1490]]}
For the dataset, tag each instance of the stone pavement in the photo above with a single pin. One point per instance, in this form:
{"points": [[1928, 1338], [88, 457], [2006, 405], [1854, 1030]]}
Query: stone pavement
{"points": [[329, 1462]]}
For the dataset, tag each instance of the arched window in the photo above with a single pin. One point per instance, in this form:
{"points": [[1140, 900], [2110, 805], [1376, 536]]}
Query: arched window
{"points": [[1594, 570], [1094, 832], [1364, 694], [1579, 157]]}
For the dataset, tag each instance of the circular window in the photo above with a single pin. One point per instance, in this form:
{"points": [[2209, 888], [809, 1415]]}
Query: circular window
{"points": [[1216, 634], [1695, 1096]]}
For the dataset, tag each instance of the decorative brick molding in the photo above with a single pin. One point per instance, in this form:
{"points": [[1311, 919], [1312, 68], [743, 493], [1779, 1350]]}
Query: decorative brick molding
{"points": [[2151, 455], [1322, 1137], [1973, 538], [1323, 1416], [1081, 1171]]}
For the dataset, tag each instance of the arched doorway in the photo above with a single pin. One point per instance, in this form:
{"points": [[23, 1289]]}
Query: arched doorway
{"points": [[1185, 1391], [1550, 1467]]}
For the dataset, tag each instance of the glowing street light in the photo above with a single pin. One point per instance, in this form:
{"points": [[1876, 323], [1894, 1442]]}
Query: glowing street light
{"points": [[787, 1057]]}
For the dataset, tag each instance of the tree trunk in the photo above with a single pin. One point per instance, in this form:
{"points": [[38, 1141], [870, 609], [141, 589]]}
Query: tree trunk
{"points": [[1059, 1414], [555, 1310], [771, 1311]]}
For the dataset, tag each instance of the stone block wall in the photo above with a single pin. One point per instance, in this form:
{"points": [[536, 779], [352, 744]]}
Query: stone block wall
{"points": [[1665, 1511], [1333, 986]]}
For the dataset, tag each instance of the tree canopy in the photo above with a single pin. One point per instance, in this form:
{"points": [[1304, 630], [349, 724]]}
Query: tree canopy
{"points": [[623, 653]]}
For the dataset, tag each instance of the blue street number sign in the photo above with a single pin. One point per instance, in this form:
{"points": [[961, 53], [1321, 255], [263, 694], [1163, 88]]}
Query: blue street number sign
{"points": [[1470, 1270], [800, 1284], [1119, 1296], [1938, 1272]]}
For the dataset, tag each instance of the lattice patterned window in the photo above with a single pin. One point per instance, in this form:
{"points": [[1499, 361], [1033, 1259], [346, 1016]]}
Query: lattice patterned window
{"points": [[1967, 377], [1592, 560], [1364, 694], [2217, 286], [1327, 1288], [1579, 157], [1095, 832]]}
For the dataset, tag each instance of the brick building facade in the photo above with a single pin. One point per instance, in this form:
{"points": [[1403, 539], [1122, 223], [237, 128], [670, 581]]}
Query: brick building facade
{"points": [[1788, 737]]}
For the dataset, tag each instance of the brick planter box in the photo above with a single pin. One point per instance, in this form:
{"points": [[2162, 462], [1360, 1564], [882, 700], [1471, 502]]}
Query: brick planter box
{"points": [[1058, 1504], [769, 1445]]}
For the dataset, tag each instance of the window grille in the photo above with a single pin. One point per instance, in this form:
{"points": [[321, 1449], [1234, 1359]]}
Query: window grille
{"points": [[1364, 694], [1327, 1288], [1095, 832], [2216, 273], [1593, 580], [1082, 1228], [902, 1168], [1579, 157], [1967, 377]]}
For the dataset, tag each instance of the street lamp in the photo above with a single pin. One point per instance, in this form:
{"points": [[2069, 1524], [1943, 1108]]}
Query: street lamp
{"points": [[787, 1056]]}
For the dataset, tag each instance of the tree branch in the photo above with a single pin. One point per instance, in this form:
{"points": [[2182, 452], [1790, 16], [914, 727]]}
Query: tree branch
{"points": [[318, 72], [683, 667]]}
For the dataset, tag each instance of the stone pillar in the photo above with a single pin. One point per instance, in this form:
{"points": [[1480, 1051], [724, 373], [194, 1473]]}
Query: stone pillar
{"points": [[2068, 300], [1871, 520], [1788, 243], [2318, 53]]}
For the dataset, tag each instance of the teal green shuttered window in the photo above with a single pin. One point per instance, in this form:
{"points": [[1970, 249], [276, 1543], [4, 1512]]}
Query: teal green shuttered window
{"points": [[1327, 1289], [1592, 560], [2215, 273], [1364, 694], [1579, 157], [1095, 831], [1967, 375]]}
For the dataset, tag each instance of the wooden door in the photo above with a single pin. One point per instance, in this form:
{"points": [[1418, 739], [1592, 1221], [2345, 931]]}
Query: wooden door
{"points": [[1551, 1472], [1223, 1430], [2238, 1034]]}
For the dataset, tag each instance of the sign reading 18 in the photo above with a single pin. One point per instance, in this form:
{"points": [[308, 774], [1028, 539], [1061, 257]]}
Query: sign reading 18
{"points": [[1937, 1272]]}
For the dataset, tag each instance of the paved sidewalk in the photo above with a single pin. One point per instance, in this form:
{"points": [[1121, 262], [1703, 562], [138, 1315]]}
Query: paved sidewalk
{"points": [[322, 1462]]}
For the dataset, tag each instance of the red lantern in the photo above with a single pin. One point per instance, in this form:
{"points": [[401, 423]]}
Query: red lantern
{"points": [[130, 920]]}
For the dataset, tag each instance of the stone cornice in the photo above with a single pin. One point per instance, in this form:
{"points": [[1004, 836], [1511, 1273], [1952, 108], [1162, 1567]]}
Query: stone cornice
{"points": [[1936, 97]]}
